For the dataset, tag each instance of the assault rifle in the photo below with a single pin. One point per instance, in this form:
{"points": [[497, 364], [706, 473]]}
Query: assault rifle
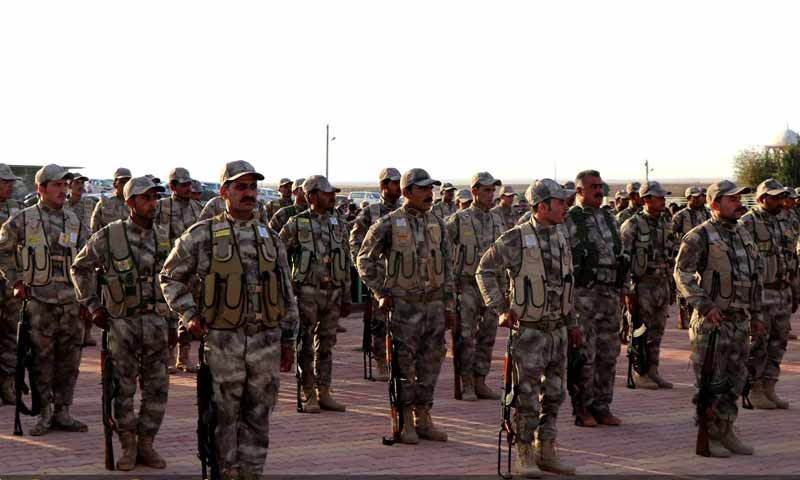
{"points": [[507, 402], [24, 362], [298, 367], [575, 364], [704, 412], [457, 341], [395, 384], [206, 419], [637, 348], [109, 392], [366, 339]]}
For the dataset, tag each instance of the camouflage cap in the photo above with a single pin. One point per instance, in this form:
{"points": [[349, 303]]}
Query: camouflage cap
{"points": [[544, 189], [791, 192], [446, 186], [569, 185], [653, 189], [298, 183], [693, 192], [419, 177], [318, 183], [78, 178], [50, 173], [770, 187], [724, 188], [464, 195], [633, 187], [391, 174], [180, 175], [284, 181], [507, 189], [6, 173], [122, 173], [140, 185], [621, 194], [235, 169], [484, 179], [153, 178], [197, 187]]}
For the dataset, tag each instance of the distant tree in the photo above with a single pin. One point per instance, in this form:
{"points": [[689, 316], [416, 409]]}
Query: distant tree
{"points": [[789, 170], [754, 165]]}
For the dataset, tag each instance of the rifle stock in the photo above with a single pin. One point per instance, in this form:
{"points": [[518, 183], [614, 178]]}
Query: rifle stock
{"points": [[24, 363], [395, 385], [704, 412], [457, 341], [366, 339], [108, 394], [637, 349], [206, 419], [506, 403]]}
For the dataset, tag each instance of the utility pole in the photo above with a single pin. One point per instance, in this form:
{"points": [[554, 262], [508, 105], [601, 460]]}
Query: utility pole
{"points": [[328, 141], [647, 170]]}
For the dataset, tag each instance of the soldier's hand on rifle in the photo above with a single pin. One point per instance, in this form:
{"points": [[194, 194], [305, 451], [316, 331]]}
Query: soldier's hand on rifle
{"points": [[714, 315], [575, 337], [197, 326], [450, 319], [509, 319], [172, 337], [386, 304], [345, 309], [22, 291], [757, 329], [100, 318], [287, 358]]}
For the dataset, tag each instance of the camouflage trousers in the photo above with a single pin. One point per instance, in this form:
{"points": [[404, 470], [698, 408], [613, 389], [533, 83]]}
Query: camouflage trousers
{"points": [[478, 329], [729, 361], [9, 318], [138, 347], [378, 329], [652, 302], [597, 310], [766, 352], [540, 371], [418, 333], [319, 314], [245, 371], [57, 336]]}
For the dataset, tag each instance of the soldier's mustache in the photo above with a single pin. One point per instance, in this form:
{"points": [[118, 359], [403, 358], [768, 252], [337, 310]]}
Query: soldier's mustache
{"points": [[248, 199]]}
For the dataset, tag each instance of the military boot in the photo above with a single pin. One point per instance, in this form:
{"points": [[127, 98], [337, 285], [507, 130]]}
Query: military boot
{"points": [[652, 372], [730, 441], [311, 405], [230, 473], [7, 395], [408, 434], [483, 391], [327, 402], [547, 458], [147, 455], [583, 418], [769, 391], [468, 389], [383, 370], [758, 397], [127, 461], [645, 382], [424, 425], [183, 359], [44, 422], [62, 420], [525, 466], [171, 362], [683, 318], [716, 430]]}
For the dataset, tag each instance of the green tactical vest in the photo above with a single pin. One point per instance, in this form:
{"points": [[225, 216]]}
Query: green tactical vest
{"points": [[727, 278], [643, 256], [469, 249], [336, 265]]}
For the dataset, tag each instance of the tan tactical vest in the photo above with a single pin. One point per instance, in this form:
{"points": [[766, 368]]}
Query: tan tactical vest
{"points": [[775, 269], [529, 286], [123, 280], [166, 216], [727, 277], [469, 249], [34, 260], [335, 263], [405, 266], [642, 255], [225, 289]]}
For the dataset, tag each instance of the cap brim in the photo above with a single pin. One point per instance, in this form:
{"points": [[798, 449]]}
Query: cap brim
{"points": [[428, 182], [240, 175], [446, 189], [496, 183], [774, 192], [80, 177], [182, 180], [736, 191], [563, 194], [508, 194], [394, 178], [12, 177]]}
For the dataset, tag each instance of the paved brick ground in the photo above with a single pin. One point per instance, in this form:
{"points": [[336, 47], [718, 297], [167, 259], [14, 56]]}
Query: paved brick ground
{"points": [[657, 436]]}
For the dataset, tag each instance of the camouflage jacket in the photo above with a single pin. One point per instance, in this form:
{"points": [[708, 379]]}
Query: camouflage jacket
{"points": [[54, 224], [216, 205], [602, 230], [687, 219], [776, 243], [444, 210], [526, 217], [652, 251], [487, 227], [8, 208], [190, 259], [503, 260], [628, 213], [83, 209], [284, 214], [275, 205], [176, 215], [324, 230], [366, 217], [508, 214], [374, 253], [107, 210]]}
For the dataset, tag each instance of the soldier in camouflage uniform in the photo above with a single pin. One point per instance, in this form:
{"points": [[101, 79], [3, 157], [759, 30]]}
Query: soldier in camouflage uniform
{"points": [[621, 201], [686, 219], [718, 272], [406, 260], [506, 207], [246, 344], [570, 186], [48, 235], [599, 271], [446, 205], [472, 231], [197, 192], [285, 189], [389, 179], [216, 205], [132, 252], [82, 207], [775, 240], [284, 214], [635, 202], [175, 214], [463, 200], [9, 308], [648, 241], [111, 208], [536, 254], [317, 243]]}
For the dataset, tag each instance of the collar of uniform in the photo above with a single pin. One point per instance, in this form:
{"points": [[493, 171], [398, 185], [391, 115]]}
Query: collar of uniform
{"points": [[587, 208], [136, 228], [47, 209], [763, 212], [239, 223], [176, 198], [71, 203], [477, 210], [540, 227], [724, 223], [650, 216], [321, 216], [387, 204], [408, 209]]}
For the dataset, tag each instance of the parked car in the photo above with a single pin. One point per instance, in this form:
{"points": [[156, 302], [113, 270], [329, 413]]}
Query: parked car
{"points": [[99, 185], [266, 195], [358, 197]]}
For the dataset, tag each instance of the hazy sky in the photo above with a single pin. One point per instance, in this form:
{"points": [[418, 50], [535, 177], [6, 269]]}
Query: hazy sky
{"points": [[514, 88]]}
